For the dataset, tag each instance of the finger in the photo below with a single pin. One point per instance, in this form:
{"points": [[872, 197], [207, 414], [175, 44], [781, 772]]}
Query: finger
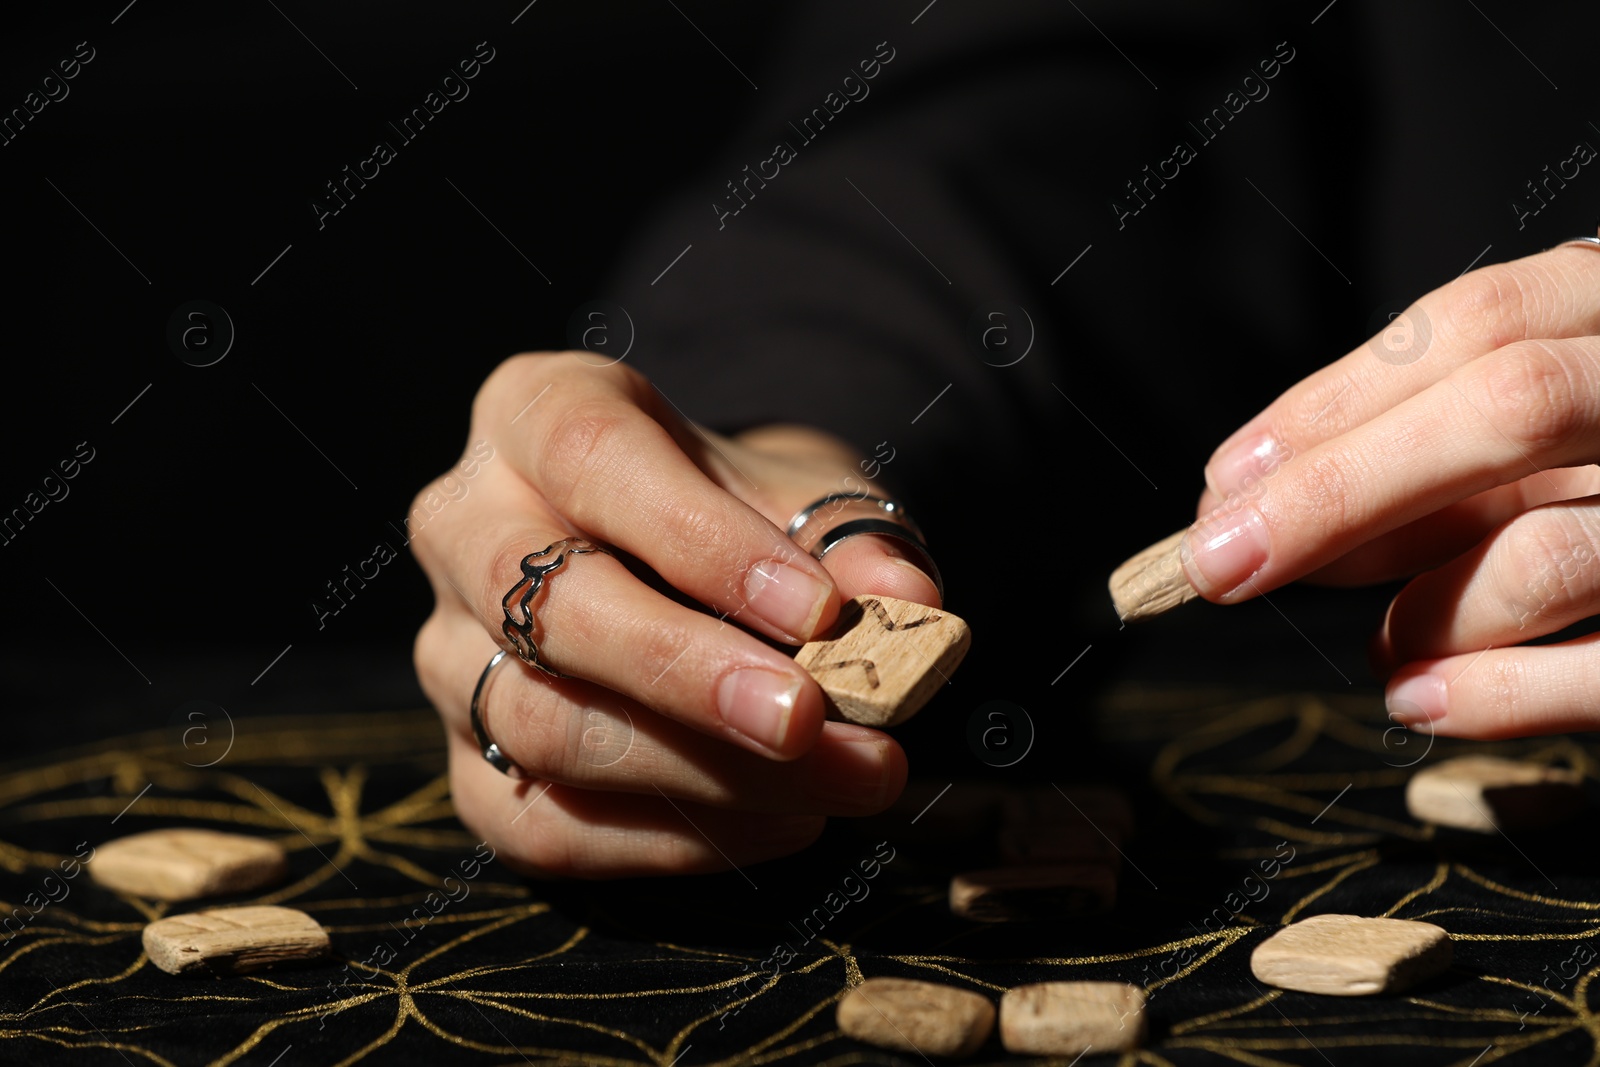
{"points": [[1554, 294], [1435, 539], [872, 564], [1524, 409], [596, 621], [597, 449], [1534, 576], [575, 733], [547, 829], [1501, 692]]}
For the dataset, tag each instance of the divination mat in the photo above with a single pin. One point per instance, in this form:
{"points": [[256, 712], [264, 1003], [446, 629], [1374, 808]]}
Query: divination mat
{"points": [[676, 971]]}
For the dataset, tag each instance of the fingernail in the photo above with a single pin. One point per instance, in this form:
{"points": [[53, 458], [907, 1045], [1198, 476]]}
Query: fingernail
{"points": [[849, 774], [915, 572], [1223, 552], [786, 597], [1255, 456], [758, 704], [1419, 699]]}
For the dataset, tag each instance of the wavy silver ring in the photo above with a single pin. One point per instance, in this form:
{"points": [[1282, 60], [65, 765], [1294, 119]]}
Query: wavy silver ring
{"points": [[491, 751], [535, 577]]}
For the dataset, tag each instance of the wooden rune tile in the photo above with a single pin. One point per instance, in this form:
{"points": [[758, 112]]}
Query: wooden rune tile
{"points": [[185, 863], [886, 658], [1070, 1018], [1351, 955], [1486, 793], [912, 1016], [234, 940]]}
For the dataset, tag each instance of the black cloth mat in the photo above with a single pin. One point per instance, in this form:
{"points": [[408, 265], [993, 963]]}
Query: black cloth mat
{"points": [[493, 968]]}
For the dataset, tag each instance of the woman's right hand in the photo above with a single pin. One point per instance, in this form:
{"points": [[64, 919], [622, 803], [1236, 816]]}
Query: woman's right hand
{"points": [[674, 741]]}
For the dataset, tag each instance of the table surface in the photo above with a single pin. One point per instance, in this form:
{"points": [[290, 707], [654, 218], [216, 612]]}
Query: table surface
{"points": [[492, 968]]}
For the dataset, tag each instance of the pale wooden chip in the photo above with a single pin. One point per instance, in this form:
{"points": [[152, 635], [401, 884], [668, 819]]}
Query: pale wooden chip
{"points": [[1351, 955], [911, 1016], [1071, 1018], [1152, 582], [234, 940], [1486, 793], [185, 863]]}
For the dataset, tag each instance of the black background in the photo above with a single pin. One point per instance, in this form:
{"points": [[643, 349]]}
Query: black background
{"points": [[189, 552]]}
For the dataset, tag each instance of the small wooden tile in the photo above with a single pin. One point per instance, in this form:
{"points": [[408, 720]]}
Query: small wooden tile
{"points": [[1485, 793], [1070, 1018], [234, 940], [886, 658], [911, 1016], [1152, 582], [1045, 891], [185, 863], [1351, 956]]}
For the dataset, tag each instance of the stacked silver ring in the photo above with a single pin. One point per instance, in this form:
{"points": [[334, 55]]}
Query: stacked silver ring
{"points": [[862, 513]]}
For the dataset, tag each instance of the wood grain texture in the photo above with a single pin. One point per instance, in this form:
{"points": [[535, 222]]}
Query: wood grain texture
{"points": [[1070, 1018], [1351, 955], [1152, 582], [885, 658], [186, 863], [234, 940], [918, 1017], [1486, 794]]}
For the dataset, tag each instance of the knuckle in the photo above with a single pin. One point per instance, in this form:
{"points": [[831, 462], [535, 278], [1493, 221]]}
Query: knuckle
{"points": [[1328, 406], [577, 448], [1503, 686], [1323, 486], [1488, 305], [1540, 559], [1527, 392]]}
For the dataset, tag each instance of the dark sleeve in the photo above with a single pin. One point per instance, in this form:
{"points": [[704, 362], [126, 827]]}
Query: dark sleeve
{"points": [[913, 237]]}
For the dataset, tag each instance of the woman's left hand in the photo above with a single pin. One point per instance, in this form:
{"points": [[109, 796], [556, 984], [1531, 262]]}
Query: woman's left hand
{"points": [[1460, 442]]}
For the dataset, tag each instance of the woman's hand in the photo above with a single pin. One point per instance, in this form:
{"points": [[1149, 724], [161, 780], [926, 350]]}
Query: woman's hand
{"points": [[1462, 438], [675, 741]]}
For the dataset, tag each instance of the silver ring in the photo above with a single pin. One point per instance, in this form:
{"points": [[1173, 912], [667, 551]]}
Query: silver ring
{"points": [[874, 515], [491, 751], [1592, 242], [535, 577]]}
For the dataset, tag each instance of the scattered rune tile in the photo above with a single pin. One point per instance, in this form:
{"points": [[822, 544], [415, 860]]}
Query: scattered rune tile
{"points": [[1057, 843], [185, 863], [1152, 582], [912, 1016], [1486, 793], [885, 658], [1104, 808], [234, 940], [1351, 956], [1070, 1018], [1045, 891]]}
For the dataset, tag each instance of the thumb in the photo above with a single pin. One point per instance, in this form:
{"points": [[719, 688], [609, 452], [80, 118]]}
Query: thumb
{"points": [[882, 566]]}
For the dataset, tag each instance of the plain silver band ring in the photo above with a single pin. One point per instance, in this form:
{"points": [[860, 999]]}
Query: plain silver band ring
{"points": [[491, 751], [1592, 242], [857, 527], [889, 507]]}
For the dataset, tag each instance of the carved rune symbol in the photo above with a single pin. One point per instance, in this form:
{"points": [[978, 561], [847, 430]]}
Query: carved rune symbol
{"points": [[867, 665], [876, 607]]}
